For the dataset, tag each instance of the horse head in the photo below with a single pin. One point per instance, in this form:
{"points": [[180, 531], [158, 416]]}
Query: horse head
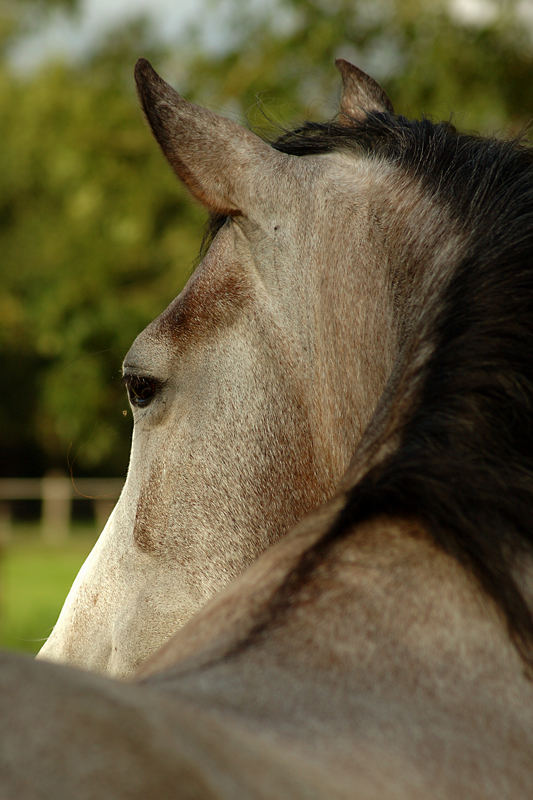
{"points": [[251, 390]]}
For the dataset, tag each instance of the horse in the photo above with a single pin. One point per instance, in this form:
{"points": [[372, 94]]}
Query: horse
{"points": [[383, 648], [249, 393]]}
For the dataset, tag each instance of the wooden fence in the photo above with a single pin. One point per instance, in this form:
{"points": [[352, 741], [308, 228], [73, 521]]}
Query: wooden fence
{"points": [[56, 493]]}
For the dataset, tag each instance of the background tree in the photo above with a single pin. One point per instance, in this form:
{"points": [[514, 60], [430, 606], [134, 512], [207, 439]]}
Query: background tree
{"points": [[96, 235]]}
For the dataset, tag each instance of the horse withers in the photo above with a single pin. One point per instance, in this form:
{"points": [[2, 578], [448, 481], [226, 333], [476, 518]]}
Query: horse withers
{"points": [[384, 647]]}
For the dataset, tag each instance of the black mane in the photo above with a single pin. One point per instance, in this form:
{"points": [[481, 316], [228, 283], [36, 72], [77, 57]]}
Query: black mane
{"points": [[464, 466]]}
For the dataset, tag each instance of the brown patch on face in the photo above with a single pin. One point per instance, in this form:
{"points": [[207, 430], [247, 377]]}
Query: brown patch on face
{"points": [[150, 512], [142, 533], [217, 291]]}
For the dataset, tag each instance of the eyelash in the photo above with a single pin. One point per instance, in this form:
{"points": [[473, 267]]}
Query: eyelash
{"points": [[141, 390]]}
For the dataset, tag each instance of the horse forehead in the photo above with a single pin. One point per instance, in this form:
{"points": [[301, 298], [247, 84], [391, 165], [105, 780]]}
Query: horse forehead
{"points": [[222, 286], [217, 292]]}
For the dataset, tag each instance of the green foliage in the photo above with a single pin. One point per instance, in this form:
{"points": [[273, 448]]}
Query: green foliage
{"points": [[429, 61], [97, 236]]}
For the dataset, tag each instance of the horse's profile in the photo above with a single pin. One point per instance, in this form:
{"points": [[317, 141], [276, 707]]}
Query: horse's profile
{"points": [[383, 648]]}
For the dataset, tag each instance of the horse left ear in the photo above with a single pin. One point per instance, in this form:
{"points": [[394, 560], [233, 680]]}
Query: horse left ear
{"points": [[225, 166], [360, 93]]}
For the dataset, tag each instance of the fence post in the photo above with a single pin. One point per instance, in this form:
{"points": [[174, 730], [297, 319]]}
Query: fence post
{"points": [[57, 498], [5, 523]]}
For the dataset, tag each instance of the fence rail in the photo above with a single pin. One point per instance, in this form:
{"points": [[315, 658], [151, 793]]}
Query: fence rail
{"points": [[56, 493]]}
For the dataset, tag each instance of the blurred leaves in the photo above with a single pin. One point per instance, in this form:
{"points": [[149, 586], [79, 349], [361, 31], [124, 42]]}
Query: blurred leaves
{"points": [[96, 236]]}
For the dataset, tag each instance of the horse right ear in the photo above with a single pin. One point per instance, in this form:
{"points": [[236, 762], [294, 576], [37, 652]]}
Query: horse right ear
{"points": [[360, 93]]}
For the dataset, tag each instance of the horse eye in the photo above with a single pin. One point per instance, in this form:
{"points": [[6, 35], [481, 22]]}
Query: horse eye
{"points": [[141, 391]]}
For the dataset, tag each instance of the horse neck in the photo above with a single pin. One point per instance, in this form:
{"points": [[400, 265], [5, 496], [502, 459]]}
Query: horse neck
{"points": [[455, 411], [376, 298], [362, 592], [352, 300], [355, 349]]}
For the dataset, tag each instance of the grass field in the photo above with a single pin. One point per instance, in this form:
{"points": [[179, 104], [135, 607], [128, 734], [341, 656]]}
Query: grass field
{"points": [[34, 580]]}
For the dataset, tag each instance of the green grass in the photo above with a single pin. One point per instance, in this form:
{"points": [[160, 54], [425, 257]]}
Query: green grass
{"points": [[34, 580]]}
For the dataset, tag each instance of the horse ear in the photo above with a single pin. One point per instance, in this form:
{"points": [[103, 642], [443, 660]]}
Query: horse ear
{"points": [[360, 93], [212, 155]]}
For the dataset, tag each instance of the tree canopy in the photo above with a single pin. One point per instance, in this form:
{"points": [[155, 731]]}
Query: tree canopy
{"points": [[96, 235]]}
